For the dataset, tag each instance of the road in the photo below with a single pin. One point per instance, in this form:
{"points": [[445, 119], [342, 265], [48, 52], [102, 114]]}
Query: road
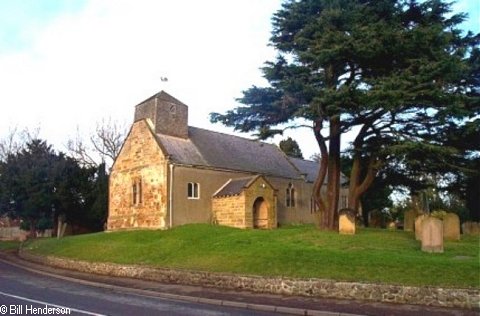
{"points": [[28, 285], [28, 293]]}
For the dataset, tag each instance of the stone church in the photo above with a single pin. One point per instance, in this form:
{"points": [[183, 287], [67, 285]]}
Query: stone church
{"points": [[169, 174]]}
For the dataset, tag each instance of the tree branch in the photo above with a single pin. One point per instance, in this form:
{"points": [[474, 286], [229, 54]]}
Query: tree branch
{"points": [[372, 169]]}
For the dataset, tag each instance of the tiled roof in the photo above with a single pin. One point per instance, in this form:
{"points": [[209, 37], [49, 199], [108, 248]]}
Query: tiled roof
{"points": [[182, 150], [307, 167], [218, 150], [162, 95], [234, 187], [223, 151], [310, 169]]}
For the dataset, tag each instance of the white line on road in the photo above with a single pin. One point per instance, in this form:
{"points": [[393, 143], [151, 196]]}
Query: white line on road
{"points": [[50, 304]]}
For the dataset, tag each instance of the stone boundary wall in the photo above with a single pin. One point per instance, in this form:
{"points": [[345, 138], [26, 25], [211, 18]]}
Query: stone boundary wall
{"points": [[430, 296], [15, 233], [12, 233]]}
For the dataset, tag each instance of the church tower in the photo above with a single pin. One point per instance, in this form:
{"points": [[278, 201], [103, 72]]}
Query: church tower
{"points": [[169, 115]]}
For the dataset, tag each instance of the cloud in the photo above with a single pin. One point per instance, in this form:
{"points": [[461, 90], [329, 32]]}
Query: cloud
{"points": [[20, 21], [110, 55], [101, 58]]}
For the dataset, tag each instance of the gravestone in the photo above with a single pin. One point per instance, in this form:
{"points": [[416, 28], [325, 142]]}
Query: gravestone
{"points": [[346, 222], [471, 228], [432, 235], [418, 226], [409, 220], [391, 225], [451, 227]]}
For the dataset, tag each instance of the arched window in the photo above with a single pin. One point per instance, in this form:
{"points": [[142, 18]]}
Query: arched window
{"points": [[290, 196], [137, 191]]}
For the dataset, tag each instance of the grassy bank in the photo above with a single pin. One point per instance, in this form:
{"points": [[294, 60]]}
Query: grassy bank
{"points": [[372, 255], [9, 245]]}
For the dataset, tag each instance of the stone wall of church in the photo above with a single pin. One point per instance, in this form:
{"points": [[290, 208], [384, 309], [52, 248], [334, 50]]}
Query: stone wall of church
{"points": [[304, 211], [138, 183], [230, 211], [301, 212], [167, 117], [238, 210], [199, 210]]}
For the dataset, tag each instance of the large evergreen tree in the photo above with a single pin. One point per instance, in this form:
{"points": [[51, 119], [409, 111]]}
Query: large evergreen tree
{"points": [[98, 201], [74, 186], [463, 170], [397, 70], [38, 185], [28, 184]]}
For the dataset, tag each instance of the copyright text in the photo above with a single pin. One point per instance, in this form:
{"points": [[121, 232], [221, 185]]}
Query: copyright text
{"points": [[32, 310]]}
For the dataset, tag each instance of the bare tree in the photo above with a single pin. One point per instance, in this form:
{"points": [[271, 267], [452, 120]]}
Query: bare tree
{"points": [[80, 151], [15, 140], [103, 146], [108, 138]]}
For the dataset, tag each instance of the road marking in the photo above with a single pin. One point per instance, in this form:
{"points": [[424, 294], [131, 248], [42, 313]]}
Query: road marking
{"points": [[50, 304], [161, 295]]}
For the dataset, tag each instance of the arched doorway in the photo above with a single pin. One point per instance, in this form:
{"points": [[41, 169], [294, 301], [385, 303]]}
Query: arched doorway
{"points": [[260, 213]]}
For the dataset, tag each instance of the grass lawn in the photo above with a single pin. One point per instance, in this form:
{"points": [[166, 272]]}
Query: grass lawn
{"points": [[372, 255], [9, 245]]}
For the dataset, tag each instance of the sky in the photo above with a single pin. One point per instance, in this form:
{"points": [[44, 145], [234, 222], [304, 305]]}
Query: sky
{"points": [[67, 64]]}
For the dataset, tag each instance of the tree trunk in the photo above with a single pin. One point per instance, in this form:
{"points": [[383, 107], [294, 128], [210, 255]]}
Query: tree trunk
{"points": [[472, 196], [33, 228], [322, 172], [357, 188], [333, 185], [365, 217], [353, 201]]}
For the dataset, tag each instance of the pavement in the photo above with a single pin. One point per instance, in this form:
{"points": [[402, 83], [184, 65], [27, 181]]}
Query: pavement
{"points": [[256, 302]]}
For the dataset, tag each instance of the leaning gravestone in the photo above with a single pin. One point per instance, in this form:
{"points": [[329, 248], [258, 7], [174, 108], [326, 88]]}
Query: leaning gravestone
{"points": [[451, 227], [432, 235], [418, 226], [346, 222], [409, 220]]}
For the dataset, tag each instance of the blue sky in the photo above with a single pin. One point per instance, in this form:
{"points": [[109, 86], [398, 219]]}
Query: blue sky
{"points": [[472, 8], [65, 64], [21, 19]]}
